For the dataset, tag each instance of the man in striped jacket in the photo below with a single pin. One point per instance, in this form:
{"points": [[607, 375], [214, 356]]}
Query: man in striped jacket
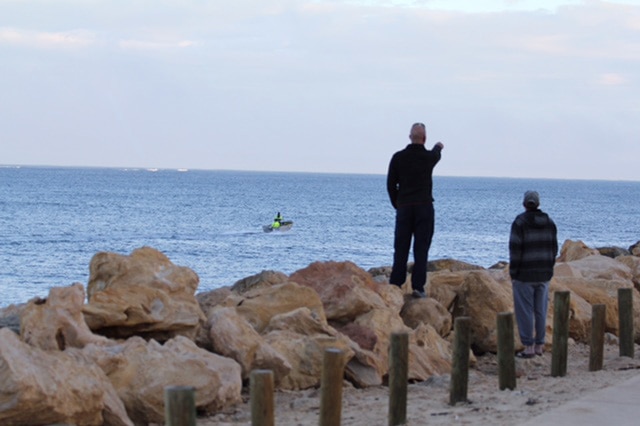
{"points": [[533, 247]]}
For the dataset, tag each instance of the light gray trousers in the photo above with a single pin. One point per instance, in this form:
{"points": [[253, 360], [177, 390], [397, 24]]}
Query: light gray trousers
{"points": [[530, 301]]}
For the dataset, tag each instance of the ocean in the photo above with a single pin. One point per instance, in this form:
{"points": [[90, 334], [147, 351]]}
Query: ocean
{"points": [[53, 220]]}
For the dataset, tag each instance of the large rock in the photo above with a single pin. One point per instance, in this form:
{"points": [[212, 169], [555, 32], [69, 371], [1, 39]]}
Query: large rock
{"points": [[142, 294], [10, 317], [613, 251], [633, 263], [575, 250], [302, 339], [261, 304], [56, 322], [482, 298], [264, 278], [42, 388], [141, 370], [595, 267], [429, 353], [427, 311], [634, 249], [232, 336], [579, 309], [451, 265], [445, 287], [346, 290]]}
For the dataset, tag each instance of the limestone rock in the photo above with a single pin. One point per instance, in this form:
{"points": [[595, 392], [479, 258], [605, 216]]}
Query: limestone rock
{"points": [[56, 322], [345, 289], [594, 268], [575, 250], [481, 299], [445, 286], [633, 263], [261, 304], [579, 309], [10, 317], [428, 352], [232, 336], [634, 249], [427, 311], [613, 252], [303, 338], [222, 296], [451, 265], [42, 388], [264, 278], [140, 371], [141, 294]]}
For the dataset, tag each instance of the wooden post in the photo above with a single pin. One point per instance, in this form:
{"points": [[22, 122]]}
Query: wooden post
{"points": [[460, 364], [598, 323], [179, 406], [331, 387], [560, 333], [506, 352], [261, 394], [625, 320], [398, 377]]}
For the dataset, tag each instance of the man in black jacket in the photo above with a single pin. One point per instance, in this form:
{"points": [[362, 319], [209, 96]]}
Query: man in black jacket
{"points": [[409, 184], [533, 247]]}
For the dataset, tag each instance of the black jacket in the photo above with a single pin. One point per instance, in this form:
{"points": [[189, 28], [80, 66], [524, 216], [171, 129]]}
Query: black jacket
{"points": [[409, 179], [533, 247]]}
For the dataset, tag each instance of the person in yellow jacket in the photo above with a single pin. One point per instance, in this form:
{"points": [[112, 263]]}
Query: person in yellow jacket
{"points": [[277, 221]]}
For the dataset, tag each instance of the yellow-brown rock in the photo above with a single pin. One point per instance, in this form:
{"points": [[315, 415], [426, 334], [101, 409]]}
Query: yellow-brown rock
{"points": [[140, 371], [262, 303], [56, 322], [575, 250], [302, 338], [427, 311], [53, 387], [141, 294], [346, 290], [232, 336], [481, 299]]}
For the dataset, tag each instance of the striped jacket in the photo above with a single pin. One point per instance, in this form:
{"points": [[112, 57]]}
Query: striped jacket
{"points": [[533, 247]]}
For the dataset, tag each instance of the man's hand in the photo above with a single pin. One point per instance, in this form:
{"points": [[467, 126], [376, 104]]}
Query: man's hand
{"points": [[439, 145]]}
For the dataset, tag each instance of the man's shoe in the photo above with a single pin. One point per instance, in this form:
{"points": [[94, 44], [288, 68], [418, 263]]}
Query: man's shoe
{"points": [[417, 294]]}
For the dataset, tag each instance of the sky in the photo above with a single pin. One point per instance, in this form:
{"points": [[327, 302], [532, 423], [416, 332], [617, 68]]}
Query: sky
{"points": [[529, 88]]}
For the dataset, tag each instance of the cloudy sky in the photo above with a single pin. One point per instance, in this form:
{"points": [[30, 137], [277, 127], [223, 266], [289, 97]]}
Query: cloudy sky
{"points": [[518, 88]]}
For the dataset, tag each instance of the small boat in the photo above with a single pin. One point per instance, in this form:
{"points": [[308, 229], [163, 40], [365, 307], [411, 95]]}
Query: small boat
{"points": [[284, 226]]}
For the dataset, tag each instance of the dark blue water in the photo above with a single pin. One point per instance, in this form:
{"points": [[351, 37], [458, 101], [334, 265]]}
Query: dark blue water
{"points": [[53, 220]]}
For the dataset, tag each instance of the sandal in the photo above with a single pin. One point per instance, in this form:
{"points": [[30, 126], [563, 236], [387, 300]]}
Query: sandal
{"points": [[524, 355]]}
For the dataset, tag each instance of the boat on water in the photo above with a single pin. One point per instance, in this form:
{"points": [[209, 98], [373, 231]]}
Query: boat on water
{"points": [[284, 226]]}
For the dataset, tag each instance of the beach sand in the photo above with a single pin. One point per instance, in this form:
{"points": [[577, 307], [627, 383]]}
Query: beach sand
{"points": [[536, 392]]}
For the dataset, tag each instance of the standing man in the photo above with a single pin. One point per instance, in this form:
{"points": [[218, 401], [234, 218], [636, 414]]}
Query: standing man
{"points": [[533, 247], [409, 184]]}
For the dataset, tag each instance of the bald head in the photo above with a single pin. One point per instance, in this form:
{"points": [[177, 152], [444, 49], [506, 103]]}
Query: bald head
{"points": [[418, 133]]}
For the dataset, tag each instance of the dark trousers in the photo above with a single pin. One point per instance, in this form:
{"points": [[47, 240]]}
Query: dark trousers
{"points": [[418, 222]]}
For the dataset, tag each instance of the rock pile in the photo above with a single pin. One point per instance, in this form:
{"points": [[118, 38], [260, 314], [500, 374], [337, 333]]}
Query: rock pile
{"points": [[143, 327]]}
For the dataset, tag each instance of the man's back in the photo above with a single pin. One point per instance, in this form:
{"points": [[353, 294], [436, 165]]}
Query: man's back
{"points": [[409, 180], [533, 247]]}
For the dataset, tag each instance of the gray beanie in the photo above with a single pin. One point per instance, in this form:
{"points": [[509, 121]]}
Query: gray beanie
{"points": [[531, 198]]}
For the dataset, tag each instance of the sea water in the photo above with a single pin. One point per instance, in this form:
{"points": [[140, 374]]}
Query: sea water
{"points": [[53, 220]]}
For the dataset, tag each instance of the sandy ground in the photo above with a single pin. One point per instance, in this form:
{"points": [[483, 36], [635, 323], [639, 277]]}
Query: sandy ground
{"points": [[536, 392]]}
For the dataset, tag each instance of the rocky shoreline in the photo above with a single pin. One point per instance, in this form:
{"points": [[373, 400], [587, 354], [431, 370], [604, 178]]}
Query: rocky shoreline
{"points": [[103, 354]]}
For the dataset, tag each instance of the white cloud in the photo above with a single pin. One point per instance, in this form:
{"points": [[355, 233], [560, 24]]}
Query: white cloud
{"points": [[47, 40], [612, 79], [155, 45]]}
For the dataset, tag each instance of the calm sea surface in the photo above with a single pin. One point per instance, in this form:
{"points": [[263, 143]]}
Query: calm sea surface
{"points": [[53, 220]]}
